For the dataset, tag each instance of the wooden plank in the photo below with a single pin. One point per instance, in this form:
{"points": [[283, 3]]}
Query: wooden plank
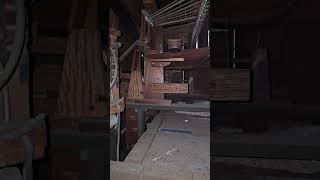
{"points": [[152, 101], [169, 87], [231, 84], [152, 75], [167, 60], [188, 54], [160, 64]]}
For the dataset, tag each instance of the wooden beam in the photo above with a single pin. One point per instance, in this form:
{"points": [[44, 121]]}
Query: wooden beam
{"points": [[160, 64], [49, 45], [167, 60], [188, 54], [151, 101], [169, 88]]}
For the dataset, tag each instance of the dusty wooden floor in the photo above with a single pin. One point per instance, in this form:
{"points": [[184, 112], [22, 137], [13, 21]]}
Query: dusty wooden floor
{"points": [[170, 155]]}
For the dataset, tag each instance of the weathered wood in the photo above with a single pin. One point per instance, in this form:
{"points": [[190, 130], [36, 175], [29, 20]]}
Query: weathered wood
{"points": [[152, 101], [83, 89], [160, 64], [188, 54], [152, 75], [132, 127], [167, 59], [230, 84], [13, 152], [169, 88], [135, 86]]}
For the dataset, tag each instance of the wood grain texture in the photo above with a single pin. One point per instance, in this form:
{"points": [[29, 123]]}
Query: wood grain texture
{"points": [[231, 84], [169, 88], [188, 54], [152, 75], [83, 88], [168, 60], [135, 85], [152, 101]]}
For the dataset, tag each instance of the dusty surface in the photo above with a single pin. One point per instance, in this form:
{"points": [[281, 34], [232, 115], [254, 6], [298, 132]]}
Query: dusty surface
{"points": [[188, 151]]}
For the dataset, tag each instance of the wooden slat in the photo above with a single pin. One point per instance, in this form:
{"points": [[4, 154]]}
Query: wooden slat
{"points": [[152, 101], [169, 88], [231, 84], [160, 64], [188, 54], [167, 60]]}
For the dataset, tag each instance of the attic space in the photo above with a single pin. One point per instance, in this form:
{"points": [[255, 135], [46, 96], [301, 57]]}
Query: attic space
{"points": [[159, 90]]}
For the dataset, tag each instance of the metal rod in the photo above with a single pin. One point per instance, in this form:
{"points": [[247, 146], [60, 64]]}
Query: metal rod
{"points": [[173, 22], [190, 25], [174, 18], [192, 12], [147, 17], [129, 50], [178, 10], [166, 8], [198, 25]]}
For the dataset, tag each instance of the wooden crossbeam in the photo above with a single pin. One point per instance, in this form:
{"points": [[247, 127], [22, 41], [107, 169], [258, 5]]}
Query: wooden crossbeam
{"points": [[167, 60], [188, 54], [169, 88], [151, 101]]}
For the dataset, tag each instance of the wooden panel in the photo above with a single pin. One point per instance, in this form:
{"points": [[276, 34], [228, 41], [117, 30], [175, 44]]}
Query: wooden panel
{"points": [[132, 125], [188, 54], [152, 75], [231, 84], [83, 85], [169, 87], [167, 60]]}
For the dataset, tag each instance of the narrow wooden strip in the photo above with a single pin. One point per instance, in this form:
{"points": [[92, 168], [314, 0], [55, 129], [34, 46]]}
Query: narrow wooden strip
{"points": [[151, 101], [169, 88], [168, 60]]}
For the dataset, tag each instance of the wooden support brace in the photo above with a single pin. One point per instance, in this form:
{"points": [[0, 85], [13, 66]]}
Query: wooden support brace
{"points": [[169, 88], [168, 60]]}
